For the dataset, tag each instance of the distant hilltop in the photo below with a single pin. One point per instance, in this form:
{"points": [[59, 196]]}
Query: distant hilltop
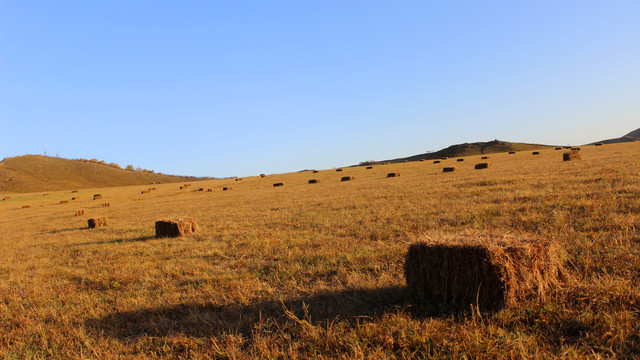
{"points": [[632, 136], [466, 149], [32, 173]]}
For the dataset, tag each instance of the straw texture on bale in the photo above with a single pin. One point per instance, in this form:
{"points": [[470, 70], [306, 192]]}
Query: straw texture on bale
{"points": [[64, 201], [393, 174], [347, 178], [448, 169], [571, 155], [278, 184], [482, 166], [97, 222], [80, 212], [106, 205], [490, 274], [176, 227], [313, 181]]}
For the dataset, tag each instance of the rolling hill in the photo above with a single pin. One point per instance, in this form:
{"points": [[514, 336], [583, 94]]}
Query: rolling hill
{"points": [[466, 149], [30, 173], [632, 136]]}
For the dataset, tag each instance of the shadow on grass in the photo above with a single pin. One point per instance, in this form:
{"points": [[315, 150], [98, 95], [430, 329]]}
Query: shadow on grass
{"points": [[116, 241], [197, 320]]}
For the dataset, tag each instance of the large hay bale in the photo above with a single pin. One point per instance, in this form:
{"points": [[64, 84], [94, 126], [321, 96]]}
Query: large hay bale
{"points": [[278, 184], [347, 178], [64, 202], [81, 212], [393, 174], [176, 227], [482, 166], [571, 155], [97, 222], [459, 160], [448, 169], [97, 196], [313, 181], [106, 204], [490, 274]]}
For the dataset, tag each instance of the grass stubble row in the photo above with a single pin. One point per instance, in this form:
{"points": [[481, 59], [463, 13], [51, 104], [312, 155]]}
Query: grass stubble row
{"points": [[303, 271]]}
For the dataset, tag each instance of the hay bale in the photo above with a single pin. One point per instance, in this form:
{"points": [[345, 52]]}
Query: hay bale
{"points": [[26, 206], [482, 166], [225, 188], [238, 179], [421, 160], [313, 181], [338, 169], [598, 144], [97, 222], [181, 187], [106, 204], [6, 198], [369, 167], [64, 202], [97, 196], [571, 155], [201, 189], [484, 158], [490, 274], [567, 147], [81, 212], [263, 175], [511, 152], [347, 178], [74, 191], [459, 160], [575, 149], [444, 158], [535, 153], [186, 185], [209, 190], [393, 174], [315, 171], [436, 161], [278, 184], [75, 198], [176, 227], [558, 148], [448, 169], [151, 189], [145, 192]]}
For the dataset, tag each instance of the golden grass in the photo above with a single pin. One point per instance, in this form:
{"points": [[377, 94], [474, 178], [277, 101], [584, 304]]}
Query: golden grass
{"points": [[317, 271]]}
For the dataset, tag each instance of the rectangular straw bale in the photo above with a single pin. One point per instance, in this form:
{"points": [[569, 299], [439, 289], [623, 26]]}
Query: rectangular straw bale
{"points": [[393, 174], [571, 155], [480, 166], [81, 212], [488, 273], [176, 227], [97, 222]]}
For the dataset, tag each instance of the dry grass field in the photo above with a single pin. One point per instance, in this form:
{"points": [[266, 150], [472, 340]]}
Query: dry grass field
{"points": [[316, 270]]}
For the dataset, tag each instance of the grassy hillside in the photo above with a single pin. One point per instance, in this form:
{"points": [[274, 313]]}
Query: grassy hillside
{"points": [[316, 270], [467, 149], [30, 173], [632, 136]]}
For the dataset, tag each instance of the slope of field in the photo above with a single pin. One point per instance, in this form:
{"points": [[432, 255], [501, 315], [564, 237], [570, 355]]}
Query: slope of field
{"points": [[632, 136], [31, 173], [467, 149], [316, 270]]}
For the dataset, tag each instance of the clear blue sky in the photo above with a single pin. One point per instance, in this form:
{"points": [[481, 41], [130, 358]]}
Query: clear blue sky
{"points": [[223, 88]]}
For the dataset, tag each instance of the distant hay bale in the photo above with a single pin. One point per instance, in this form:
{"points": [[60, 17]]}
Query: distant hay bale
{"points": [[448, 169], [97, 196], [176, 227], [64, 202], [484, 158], [97, 222], [75, 198], [575, 149], [338, 169], [444, 158], [315, 171], [393, 174], [74, 191], [347, 178], [567, 147], [459, 160], [26, 206], [571, 155], [313, 181], [6, 198], [201, 189], [106, 204], [482, 166], [263, 175], [490, 274], [558, 148], [535, 153], [238, 179], [278, 184], [225, 188], [511, 152], [598, 144], [405, 161], [181, 187], [145, 192], [186, 185], [436, 161], [369, 167], [209, 190], [151, 189], [81, 212]]}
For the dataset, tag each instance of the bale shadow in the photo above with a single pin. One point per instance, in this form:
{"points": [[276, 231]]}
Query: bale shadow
{"points": [[116, 241], [197, 320]]}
